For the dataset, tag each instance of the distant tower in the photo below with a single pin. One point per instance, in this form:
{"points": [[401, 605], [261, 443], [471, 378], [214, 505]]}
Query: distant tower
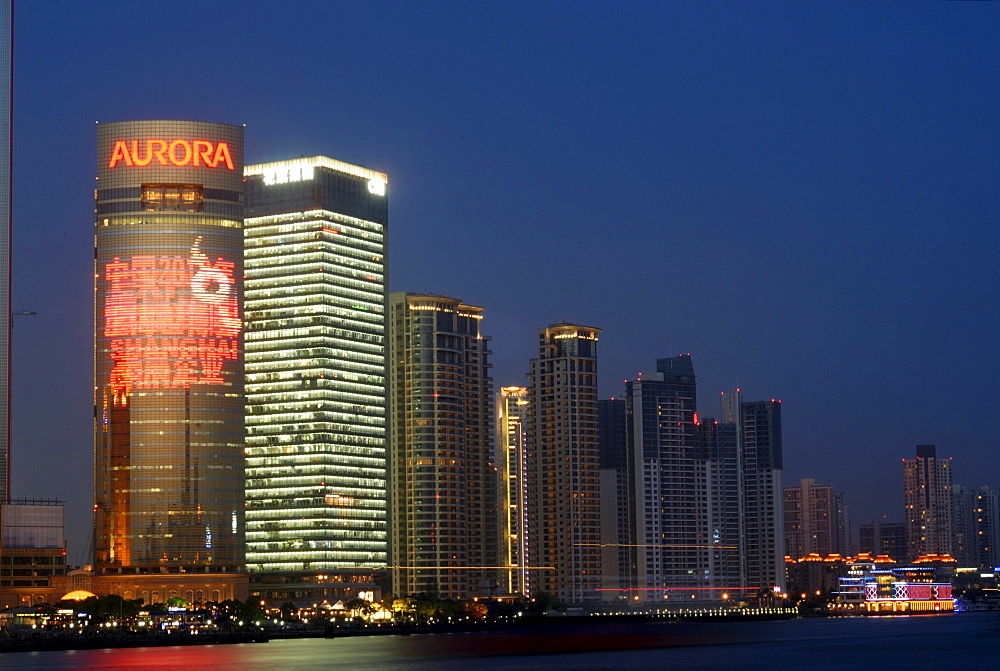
{"points": [[883, 538], [442, 480], [987, 507], [617, 502], [667, 481], [512, 501], [565, 508], [964, 514], [813, 520], [6, 144], [723, 517], [927, 496], [763, 546]]}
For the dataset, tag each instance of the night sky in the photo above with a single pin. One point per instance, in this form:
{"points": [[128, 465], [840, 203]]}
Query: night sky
{"points": [[803, 196]]}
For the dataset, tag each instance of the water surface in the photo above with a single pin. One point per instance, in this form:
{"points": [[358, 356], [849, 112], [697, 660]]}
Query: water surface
{"points": [[954, 641]]}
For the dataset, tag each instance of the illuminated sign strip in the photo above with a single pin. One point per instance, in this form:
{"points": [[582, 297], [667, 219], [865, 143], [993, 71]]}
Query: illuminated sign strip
{"points": [[195, 153], [315, 161], [171, 321]]}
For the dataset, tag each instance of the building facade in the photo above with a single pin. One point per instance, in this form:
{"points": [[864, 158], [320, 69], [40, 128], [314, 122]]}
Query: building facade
{"points": [[813, 520], [565, 526], [316, 475], [442, 479], [32, 552], [763, 541], [169, 462], [987, 512], [927, 497], [976, 525], [512, 500], [882, 537], [617, 502], [722, 508], [668, 483]]}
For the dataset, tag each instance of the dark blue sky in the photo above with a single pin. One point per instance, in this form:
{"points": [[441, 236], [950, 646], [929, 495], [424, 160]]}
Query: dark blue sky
{"points": [[803, 196]]}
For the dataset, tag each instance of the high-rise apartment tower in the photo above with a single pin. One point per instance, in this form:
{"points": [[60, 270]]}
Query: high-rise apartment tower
{"points": [[617, 501], [443, 482], [814, 520], [565, 520], [667, 481], [762, 545], [927, 498]]}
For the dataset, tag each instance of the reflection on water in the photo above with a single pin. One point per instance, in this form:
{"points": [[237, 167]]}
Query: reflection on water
{"points": [[967, 640]]}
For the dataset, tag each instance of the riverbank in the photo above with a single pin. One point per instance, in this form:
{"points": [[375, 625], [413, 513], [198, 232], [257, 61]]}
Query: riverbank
{"points": [[35, 641], [967, 641], [61, 640]]}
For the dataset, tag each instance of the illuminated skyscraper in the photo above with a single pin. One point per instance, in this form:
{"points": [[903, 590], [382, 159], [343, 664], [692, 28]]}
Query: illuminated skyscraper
{"points": [[511, 448], [565, 507], [168, 275], [6, 144], [444, 522], [927, 496], [315, 367]]}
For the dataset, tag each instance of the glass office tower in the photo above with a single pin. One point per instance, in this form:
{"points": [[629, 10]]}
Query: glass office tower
{"points": [[168, 386], [315, 238]]}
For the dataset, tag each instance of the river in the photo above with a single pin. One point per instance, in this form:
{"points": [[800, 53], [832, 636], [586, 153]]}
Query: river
{"points": [[953, 641]]}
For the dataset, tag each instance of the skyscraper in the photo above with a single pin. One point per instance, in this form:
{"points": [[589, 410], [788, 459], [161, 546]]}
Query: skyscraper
{"points": [[6, 166], [723, 504], [169, 463], [442, 479], [512, 492], [565, 526], [963, 525], [667, 481], [762, 546], [987, 509], [927, 497], [316, 478], [617, 501]]}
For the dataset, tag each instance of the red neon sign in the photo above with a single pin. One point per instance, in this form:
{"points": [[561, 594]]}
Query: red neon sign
{"points": [[172, 321], [176, 152]]}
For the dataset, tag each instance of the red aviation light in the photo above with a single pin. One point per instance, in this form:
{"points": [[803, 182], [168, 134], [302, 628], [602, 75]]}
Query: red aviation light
{"points": [[172, 321], [176, 152]]}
